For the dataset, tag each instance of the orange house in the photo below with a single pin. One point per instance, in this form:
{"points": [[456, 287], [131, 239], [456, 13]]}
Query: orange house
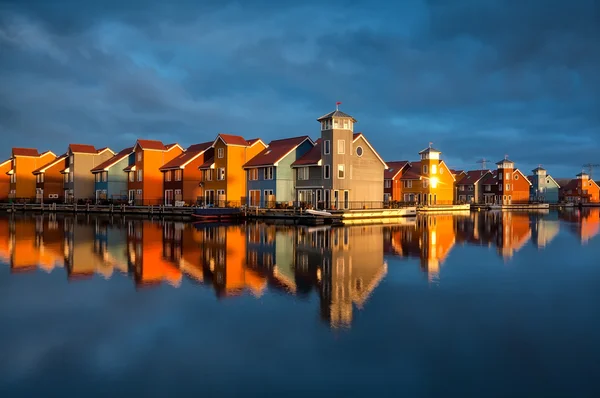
{"points": [[513, 185], [428, 181], [392, 185], [49, 181], [24, 162], [182, 175], [224, 177], [5, 179], [145, 180], [582, 189], [514, 233]]}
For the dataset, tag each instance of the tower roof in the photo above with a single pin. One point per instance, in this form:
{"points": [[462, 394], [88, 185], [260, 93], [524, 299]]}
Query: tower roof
{"points": [[336, 113], [539, 168], [505, 161], [582, 174], [429, 150]]}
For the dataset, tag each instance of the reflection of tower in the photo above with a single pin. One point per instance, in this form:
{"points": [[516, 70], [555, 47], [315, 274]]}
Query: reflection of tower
{"points": [[515, 232], [437, 239], [543, 231]]}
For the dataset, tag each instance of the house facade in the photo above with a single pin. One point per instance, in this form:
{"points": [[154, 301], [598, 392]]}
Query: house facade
{"points": [[513, 185], [543, 187], [270, 177], [49, 181], [392, 185], [110, 179], [24, 162], [469, 188], [581, 189], [5, 167], [78, 180], [428, 181], [224, 177], [346, 173], [145, 180], [182, 176]]}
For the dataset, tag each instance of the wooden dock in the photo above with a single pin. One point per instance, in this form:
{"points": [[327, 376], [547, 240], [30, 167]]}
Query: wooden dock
{"points": [[444, 208], [160, 211]]}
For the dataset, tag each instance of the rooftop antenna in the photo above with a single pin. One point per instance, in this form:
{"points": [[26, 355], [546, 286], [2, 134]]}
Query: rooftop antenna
{"points": [[337, 106], [483, 162], [590, 167]]}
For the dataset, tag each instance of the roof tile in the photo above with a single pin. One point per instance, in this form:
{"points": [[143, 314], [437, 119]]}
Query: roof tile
{"points": [[230, 139], [151, 144], [191, 153], [82, 148], [312, 157], [25, 152], [276, 150], [394, 167]]}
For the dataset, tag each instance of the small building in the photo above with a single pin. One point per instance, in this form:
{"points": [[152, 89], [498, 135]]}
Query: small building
{"points": [[182, 176], [543, 187], [49, 181], [513, 185], [224, 177], [345, 173], [145, 181], [110, 179], [392, 186], [581, 189], [270, 177], [469, 188], [23, 163], [428, 181], [78, 180]]}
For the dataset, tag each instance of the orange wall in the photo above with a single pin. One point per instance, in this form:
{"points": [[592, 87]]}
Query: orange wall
{"points": [[191, 180], [444, 190], [520, 189], [5, 180], [53, 181], [24, 167], [152, 178]]}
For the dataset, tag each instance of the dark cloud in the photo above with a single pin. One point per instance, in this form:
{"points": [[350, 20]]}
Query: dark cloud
{"points": [[479, 78]]}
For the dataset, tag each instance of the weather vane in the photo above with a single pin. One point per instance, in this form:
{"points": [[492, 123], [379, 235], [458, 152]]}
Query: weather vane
{"points": [[337, 106]]}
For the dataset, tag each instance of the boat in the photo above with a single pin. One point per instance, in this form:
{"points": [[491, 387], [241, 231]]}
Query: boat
{"points": [[494, 207], [321, 213]]}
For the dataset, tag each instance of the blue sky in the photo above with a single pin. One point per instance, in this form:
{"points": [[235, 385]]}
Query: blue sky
{"points": [[477, 78]]}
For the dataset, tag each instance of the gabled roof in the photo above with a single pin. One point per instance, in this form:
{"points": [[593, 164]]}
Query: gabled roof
{"points": [[491, 178], [112, 161], [230, 139], [6, 161], [429, 149], [505, 161], [356, 136], [253, 141], [168, 147], [82, 148], [276, 151], [472, 177], [208, 164], [413, 172], [32, 152], [131, 167], [312, 157], [395, 167], [336, 113], [539, 168], [522, 175], [571, 185], [50, 164], [188, 156], [151, 144]]}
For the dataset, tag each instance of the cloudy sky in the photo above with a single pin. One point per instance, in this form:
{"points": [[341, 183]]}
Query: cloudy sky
{"points": [[477, 78]]}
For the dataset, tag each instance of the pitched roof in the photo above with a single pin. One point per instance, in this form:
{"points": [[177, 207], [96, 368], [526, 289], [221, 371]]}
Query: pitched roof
{"points": [[276, 151], [530, 178], [413, 172], [312, 157], [571, 185], [336, 113], [186, 157], [503, 161], [253, 141], [131, 167], [208, 163], [230, 139], [429, 149], [115, 159], [562, 181], [6, 161], [50, 164], [356, 136], [25, 152], [538, 169], [395, 167], [151, 144], [491, 178], [472, 176], [82, 148]]}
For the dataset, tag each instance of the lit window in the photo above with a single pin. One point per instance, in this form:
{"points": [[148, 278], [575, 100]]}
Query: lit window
{"points": [[341, 171], [221, 174], [268, 173], [303, 173], [139, 156], [433, 169], [507, 176], [220, 153], [178, 174]]}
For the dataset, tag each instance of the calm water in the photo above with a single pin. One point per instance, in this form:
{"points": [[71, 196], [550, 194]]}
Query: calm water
{"points": [[481, 304]]}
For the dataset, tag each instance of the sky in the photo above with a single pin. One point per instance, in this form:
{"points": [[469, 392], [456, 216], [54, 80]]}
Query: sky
{"points": [[478, 79]]}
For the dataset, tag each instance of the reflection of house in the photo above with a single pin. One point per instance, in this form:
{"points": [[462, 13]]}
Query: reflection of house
{"points": [[585, 222], [80, 258], [544, 230], [23, 256], [514, 231], [582, 189], [5, 240], [110, 245]]}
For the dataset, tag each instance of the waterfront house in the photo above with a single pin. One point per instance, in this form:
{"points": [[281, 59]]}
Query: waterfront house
{"points": [[110, 179], [428, 181], [145, 180], [224, 177], [23, 162], [5, 167], [392, 185], [49, 181], [182, 176], [270, 177], [343, 170], [506, 185], [469, 188], [78, 180], [581, 189], [543, 187]]}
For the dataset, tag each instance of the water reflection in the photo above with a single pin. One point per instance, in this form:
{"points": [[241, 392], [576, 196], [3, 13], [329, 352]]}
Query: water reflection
{"points": [[342, 267]]}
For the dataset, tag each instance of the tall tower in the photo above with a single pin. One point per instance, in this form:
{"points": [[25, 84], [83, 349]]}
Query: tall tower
{"points": [[337, 135], [506, 168], [430, 162], [539, 179]]}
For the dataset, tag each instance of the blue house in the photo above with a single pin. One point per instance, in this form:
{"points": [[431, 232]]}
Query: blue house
{"points": [[110, 181], [269, 175], [543, 187]]}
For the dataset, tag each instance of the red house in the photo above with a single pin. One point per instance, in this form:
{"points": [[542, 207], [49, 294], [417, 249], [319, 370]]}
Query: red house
{"points": [[392, 186]]}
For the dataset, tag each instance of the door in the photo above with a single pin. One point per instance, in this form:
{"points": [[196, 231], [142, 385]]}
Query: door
{"points": [[254, 198], [209, 198], [336, 199], [319, 199], [346, 200], [131, 196], [168, 197], [327, 199], [221, 197]]}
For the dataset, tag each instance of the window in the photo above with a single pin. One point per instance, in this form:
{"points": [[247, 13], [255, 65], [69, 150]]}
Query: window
{"points": [[326, 172], [220, 153], [221, 174], [268, 192], [168, 175], [341, 147], [104, 176], [253, 174], [139, 156], [433, 169], [516, 176], [70, 176], [500, 187], [408, 184], [508, 187], [341, 171], [462, 188], [470, 187], [140, 175], [268, 173], [42, 177], [209, 174], [345, 124], [425, 183], [178, 174], [178, 195], [441, 170], [326, 147], [488, 188], [387, 183], [139, 192], [425, 169], [507, 176], [131, 176], [303, 173], [359, 151]]}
